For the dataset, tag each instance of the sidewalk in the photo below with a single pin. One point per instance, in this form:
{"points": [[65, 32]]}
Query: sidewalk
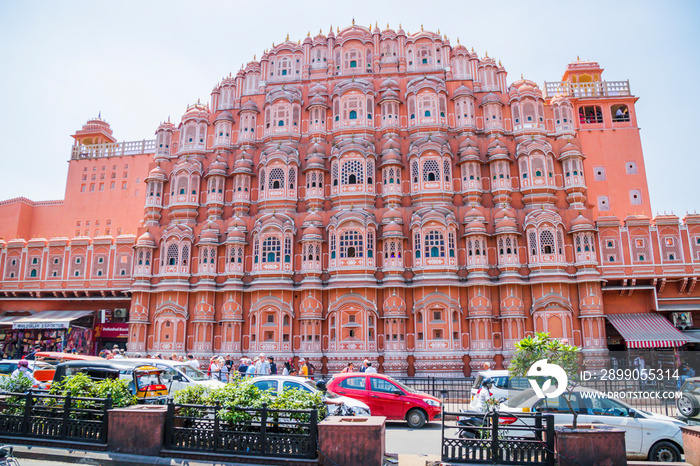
{"points": [[66, 455]]}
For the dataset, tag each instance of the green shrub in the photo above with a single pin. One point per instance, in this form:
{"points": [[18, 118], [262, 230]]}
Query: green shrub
{"points": [[118, 389], [14, 385], [194, 394], [238, 394]]}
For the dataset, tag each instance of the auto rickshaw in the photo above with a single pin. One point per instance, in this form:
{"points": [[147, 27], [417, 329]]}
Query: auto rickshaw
{"points": [[150, 388], [144, 381]]}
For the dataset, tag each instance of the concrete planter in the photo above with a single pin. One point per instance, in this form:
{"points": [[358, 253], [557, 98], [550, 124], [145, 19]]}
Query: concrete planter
{"points": [[352, 440], [137, 429], [691, 444], [591, 445]]}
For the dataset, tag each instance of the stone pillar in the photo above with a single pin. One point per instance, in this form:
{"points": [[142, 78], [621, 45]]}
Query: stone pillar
{"points": [[137, 430], [366, 448]]}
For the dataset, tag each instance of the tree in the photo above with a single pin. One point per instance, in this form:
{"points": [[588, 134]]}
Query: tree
{"points": [[531, 350]]}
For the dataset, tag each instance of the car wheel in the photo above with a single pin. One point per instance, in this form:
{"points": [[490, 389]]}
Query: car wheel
{"points": [[415, 418], [664, 452], [688, 406]]}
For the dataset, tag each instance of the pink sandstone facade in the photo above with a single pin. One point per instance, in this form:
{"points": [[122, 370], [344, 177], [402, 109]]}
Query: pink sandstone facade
{"points": [[363, 193]]}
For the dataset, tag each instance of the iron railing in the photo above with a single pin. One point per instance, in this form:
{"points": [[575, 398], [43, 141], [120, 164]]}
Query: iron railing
{"points": [[504, 438], [455, 392], [260, 432], [54, 417]]}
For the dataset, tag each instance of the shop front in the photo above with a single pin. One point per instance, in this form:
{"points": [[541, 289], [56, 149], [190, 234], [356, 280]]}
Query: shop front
{"points": [[109, 335], [46, 330]]}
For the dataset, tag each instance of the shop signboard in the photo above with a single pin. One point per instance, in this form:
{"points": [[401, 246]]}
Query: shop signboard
{"points": [[110, 331], [39, 325]]}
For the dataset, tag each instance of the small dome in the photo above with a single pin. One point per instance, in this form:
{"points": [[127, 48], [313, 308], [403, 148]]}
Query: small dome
{"points": [[157, 174], [166, 126], [146, 240], [218, 167], [392, 229], [224, 116], [237, 222], [313, 217], [490, 97], [387, 84], [462, 91], [318, 89], [581, 223], [317, 148], [209, 236], [312, 233], [391, 157], [392, 143], [497, 148], [392, 215], [468, 149], [235, 235], [249, 106]]}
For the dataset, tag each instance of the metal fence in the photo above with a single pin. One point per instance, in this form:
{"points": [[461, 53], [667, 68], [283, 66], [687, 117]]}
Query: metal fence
{"points": [[502, 439], [54, 417], [242, 431], [455, 392], [653, 396]]}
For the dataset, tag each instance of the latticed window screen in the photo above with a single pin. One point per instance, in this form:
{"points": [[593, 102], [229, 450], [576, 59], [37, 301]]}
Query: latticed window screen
{"points": [[318, 252], [546, 242], [414, 171], [262, 180], [671, 251], [292, 177], [205, 255], [532, 240], [352, 172], [276, 179], [434, 244], [538, 166], [287, 249], [416, 244], [370, 243], [256, 250], [640, 247], [335, 174], [185, 254], [560, 242], [271, 249], [446, 169], [232, 254], [351, 244], [370, 171], [172, 257], [431, 170], [332, 245], [451, 243]]}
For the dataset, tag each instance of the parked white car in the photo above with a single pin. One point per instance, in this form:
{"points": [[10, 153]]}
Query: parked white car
{"points": [[178, 375], [279, 383], [504, 386], [647, 436]]}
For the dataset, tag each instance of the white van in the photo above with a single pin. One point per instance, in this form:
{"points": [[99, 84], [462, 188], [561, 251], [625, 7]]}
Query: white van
{"points": [[178, 375]]}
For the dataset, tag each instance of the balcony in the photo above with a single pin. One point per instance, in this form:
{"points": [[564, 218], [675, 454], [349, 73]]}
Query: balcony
{"points": [[116, 149], [590, 89]]}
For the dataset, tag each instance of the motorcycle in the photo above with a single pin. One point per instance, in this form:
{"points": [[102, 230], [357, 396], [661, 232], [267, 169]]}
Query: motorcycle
{"points": [[476, 425], [6, 456]]}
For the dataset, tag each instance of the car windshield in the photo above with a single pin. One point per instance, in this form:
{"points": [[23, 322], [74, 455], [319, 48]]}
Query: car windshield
{"points": [[403, 387], [146, 379], [329, 394], [192, 373], [520, 398]]}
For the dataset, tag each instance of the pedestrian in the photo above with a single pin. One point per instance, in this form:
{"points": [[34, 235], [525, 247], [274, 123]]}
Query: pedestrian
{"points": [[262, 367], [243, 367], [229, 363], [224, 370], [349, 368], [273, 366], [303, 368], [369, 369], [214, 368], [365, 365], [191, 361], [117, 354], [287, 367], [31, 356], [23, 371], [250, 372]]}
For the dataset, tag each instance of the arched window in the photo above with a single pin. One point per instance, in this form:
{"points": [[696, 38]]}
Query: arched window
{"points": [[546, 242], [351, 244], [172, 254], [276, 178], [353, 115], [434, 244], [353, 172], [271, 249], [431, 170], [287, 250]]}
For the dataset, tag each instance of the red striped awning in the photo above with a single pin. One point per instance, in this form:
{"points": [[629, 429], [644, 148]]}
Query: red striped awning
{"points": [[647, 331]]}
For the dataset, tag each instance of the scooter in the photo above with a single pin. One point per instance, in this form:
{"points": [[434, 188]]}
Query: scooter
{"points": [[6, 457], [475, 425]]}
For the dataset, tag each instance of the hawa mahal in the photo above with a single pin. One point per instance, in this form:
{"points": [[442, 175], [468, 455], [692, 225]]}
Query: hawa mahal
{"points": [[370, 194]]}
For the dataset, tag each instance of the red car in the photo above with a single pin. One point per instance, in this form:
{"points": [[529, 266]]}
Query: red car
{"points": [[388, 397]]}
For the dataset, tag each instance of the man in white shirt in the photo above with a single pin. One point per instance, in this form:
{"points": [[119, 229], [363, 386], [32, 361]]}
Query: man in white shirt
{"points": [[23, 371], [191, 361], [369, 369]]}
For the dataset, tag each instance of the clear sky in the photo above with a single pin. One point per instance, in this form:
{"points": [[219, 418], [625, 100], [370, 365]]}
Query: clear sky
{"points": [[138, 62]]}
